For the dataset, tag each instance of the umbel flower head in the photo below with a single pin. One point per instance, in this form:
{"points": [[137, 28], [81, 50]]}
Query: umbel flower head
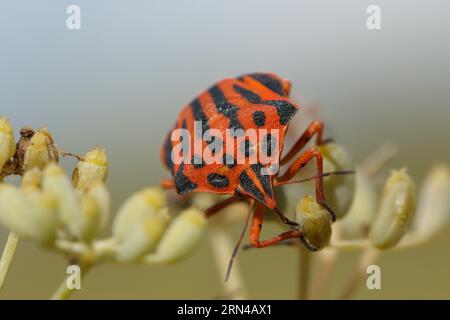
{"points": [[69, 216], [46, 203]]}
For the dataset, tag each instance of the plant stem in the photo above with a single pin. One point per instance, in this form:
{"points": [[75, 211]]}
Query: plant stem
{"points": [[379, 158], [367, 258], [325, 266], [304, 273], [63, 292], [7, 256], [350, 244], [222, 247]]}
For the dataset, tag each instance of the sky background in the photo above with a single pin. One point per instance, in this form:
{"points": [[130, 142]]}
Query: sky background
{"points": [[120, 81]]}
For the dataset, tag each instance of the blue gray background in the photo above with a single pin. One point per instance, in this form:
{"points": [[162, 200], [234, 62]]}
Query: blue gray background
{"points": [[120, 81]]}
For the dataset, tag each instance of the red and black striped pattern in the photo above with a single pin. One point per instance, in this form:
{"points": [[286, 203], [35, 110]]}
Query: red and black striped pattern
{"points": [[258, 101]]}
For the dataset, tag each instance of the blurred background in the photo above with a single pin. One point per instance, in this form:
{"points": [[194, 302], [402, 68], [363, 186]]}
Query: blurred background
{"points": [[120, 81]]}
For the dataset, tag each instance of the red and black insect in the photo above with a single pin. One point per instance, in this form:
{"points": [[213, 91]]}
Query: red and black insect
{"points": [[258, 101]]}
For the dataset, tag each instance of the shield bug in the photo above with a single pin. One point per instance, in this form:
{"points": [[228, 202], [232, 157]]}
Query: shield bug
{"points": [[228, 110]]}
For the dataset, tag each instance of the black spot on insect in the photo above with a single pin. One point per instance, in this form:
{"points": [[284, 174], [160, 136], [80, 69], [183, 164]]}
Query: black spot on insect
{"points": [[229, 161], [182, 183], [269, 144], [224, 107], [246, 148], [259, 118], [286, 111], [248, 186], [218, 181], [249, 95], [197, 162], [269, 82]]}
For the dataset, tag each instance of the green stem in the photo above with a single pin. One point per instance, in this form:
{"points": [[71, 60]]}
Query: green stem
{"points": [[63, 292], [367, 258], [357, 244], [326, 262], [304, 273], [222, 247], [7, 256]]}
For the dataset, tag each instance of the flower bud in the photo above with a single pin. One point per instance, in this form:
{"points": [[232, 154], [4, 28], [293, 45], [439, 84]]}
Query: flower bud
{"points": [[204, 200], [356, 223], [55, 182], [99, 192], [181, 237], [7, 142], [29, 215], [93, 168], [433, 211], [140, 205], [95, 204], [140, 223], [87, 225], [41, 151], [314, 221], [15, 210], [396, 211], [44, 217], [31, 181], [143, 236], [339, 189]]}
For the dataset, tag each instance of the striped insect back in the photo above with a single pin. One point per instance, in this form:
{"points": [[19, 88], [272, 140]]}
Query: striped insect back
{"points": [[232, 135]]}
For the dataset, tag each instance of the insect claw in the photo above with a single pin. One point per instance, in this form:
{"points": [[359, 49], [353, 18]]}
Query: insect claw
{"points": [[330, 211], [307, 245], [291, 223], [284, 219]]}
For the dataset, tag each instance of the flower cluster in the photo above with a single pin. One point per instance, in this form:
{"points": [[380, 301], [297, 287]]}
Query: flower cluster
{"points": [[373, 222], [71, 215]]}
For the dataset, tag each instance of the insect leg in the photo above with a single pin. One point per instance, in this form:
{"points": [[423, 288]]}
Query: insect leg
{"points": [[298, 164], [222, 205], [256, 226], [167, 184], [315, 128]]}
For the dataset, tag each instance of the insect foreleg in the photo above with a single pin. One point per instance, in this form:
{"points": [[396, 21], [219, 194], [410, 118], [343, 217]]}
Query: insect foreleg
{"points": [[315, 128]]}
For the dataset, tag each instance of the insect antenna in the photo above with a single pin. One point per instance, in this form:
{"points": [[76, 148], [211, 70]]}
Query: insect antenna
{"points": [[238, 243], [326, 174]]}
